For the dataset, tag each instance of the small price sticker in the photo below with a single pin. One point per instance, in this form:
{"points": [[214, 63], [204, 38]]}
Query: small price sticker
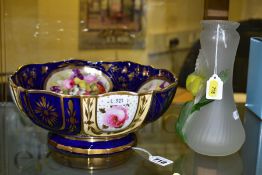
{"points": [[236, 115], [214, 89], [160, 160]]}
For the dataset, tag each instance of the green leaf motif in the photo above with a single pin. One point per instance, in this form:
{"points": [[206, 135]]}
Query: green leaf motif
{"points": [[223, 75], [203, 101], [183, 116], [189, 107]]}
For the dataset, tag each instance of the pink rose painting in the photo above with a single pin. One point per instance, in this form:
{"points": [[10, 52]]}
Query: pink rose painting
{"points": [[115, 117]]}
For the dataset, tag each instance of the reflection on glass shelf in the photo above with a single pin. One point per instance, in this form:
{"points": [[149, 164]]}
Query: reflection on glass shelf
{"points": [[46, 165], [28, 154], [196, 164], [26, 151]]}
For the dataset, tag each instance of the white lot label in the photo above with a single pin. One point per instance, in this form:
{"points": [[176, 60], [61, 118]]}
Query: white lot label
{"points": [[160, 160]]}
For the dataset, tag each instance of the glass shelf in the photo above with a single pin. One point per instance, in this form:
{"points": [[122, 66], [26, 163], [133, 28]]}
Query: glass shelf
{"points": [[24, 150]]}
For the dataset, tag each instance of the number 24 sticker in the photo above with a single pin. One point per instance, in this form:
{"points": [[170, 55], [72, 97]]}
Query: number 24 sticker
{"points": [[214, 89]]}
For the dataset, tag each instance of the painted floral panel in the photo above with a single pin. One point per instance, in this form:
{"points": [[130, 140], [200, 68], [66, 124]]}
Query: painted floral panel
{"points": [[116, 112], [79, 81], [154, 84]]}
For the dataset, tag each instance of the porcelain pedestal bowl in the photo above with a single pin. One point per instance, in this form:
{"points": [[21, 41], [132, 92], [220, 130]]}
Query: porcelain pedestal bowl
{"points": [[92, 109]]}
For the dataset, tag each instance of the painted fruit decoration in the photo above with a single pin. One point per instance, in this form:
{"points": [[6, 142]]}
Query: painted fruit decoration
{"points": [[77, 81]]}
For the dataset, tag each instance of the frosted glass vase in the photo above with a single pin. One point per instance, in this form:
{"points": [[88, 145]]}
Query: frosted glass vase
{"points": [[215, 129]]}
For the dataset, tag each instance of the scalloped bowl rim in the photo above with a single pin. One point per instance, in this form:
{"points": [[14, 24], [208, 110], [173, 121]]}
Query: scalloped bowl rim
{"points": [[171, 85]]}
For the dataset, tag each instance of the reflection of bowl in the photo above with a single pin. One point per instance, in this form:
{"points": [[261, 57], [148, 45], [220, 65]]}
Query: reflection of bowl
{"points": [[197, 164], [92, 124]]}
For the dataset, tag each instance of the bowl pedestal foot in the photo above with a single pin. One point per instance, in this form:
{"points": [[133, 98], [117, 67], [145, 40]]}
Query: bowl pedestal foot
{"points": [[90, 152]]}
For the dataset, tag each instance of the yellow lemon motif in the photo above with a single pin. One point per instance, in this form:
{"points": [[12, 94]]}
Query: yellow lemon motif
{"points": [[194, 83]]}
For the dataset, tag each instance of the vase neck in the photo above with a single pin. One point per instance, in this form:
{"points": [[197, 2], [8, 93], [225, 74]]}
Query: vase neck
{"points": [[226, 25], [219, 37]]}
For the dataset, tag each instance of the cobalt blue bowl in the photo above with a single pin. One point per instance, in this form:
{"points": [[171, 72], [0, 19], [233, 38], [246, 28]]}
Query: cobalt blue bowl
{"points": [[92, 108]]}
